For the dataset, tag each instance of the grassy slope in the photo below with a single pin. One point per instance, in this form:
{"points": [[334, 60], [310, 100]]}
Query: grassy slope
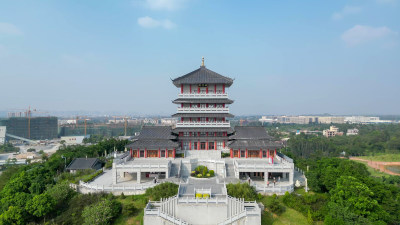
{"points": [[136, 218], [290, 216], [383, 157]]}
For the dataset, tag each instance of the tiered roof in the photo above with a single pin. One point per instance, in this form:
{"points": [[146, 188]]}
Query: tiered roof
{"points": [[154, 137], [202, 100], [252, 138], [203, 76], [202, 115]]}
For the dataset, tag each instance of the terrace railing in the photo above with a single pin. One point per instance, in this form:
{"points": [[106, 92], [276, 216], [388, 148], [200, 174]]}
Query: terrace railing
{"points": [[203, 95]]}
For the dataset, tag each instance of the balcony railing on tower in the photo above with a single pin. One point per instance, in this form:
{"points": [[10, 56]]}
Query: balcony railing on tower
{"points": [[203, 124], [203, 110], [203, 95]]}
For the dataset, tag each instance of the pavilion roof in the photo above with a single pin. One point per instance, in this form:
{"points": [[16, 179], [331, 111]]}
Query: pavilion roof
{"points": [[155, 132], [208, 100], [203, 129], [202, 115], [203, 76], [250, 133], [153, 144]]}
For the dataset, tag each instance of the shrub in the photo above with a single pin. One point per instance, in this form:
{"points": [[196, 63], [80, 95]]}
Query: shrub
{"points": [[275, 206], [128, 209], [203, 171], [92, 176], [198, 195], [163, 190], [100, 213], [206, 195], [242, 190]]}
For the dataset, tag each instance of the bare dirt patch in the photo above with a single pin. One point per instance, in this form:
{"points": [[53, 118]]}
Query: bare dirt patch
{"points": [[381, 166]]}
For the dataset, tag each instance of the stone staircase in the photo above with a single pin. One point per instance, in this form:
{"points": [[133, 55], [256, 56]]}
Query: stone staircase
{"points": [[230, 172], [174, 172]]}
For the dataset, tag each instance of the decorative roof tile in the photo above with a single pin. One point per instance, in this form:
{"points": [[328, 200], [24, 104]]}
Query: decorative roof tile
{"points": [[210, 100], [202, 115], [203, 76]]}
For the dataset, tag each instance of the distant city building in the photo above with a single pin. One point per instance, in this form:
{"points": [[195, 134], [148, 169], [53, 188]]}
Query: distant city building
{"points": [[35, 128], [352, 132], [2, 134], [365, 120], [332, 132], [322, 119]]}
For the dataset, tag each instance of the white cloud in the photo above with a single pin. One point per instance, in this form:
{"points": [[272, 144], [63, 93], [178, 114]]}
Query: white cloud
{"points": [[347, 10], [9, 29], [169, 5], [360, 34], [148, 22]]}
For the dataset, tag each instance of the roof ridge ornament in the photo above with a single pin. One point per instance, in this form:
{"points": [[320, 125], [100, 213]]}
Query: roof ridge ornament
{"points": [[202, 61]]}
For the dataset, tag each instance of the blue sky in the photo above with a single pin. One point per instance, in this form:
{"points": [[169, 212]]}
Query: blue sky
{"points": [[287, 57]]}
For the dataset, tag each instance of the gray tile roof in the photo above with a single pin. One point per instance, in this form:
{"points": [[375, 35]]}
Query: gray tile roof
{"points": [[153, 144], [156, 132], [254, 144], [250, 132], [199, 100], [203, 129], [203, 76], [196, 115], [83, 163]]}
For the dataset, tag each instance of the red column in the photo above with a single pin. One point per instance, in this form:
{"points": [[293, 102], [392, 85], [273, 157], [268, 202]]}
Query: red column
{"points": [[268, 153], [198, 90], [223, 88], [174, 153], [215, 145], [131, 152], [138, 153], [198, 145], [159, 153], [145, 152], [223, 144], [207, 90], [239, 153], [215, 88], [181, 88], [260, 153], [206, 144], [246, 153], [231, 153], [190, 145], [166, 153]]}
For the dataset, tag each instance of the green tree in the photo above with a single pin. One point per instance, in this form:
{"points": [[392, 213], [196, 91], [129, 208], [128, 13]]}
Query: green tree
{"points": [[353, 195], [99, 213], [14, 215], [40, 205]]}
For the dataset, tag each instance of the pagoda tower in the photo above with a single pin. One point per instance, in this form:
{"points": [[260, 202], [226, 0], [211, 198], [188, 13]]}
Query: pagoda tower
{"points": [[203, 110]]}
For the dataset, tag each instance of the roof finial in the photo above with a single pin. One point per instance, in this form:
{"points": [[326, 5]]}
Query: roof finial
{"points": [[202, 61]]}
